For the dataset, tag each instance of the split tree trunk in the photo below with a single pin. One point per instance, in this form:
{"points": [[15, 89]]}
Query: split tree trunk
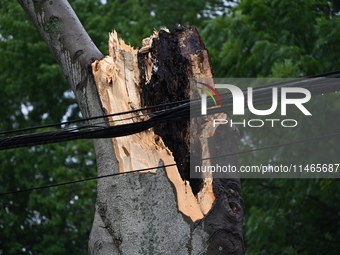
{"points": [[162, 211], [156, 212]]}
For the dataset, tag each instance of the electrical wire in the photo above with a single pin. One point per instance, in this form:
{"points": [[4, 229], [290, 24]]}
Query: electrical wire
{"points": [[95, 117], [169, 165], [82, 180], [333, 74], [188, 108], [261, 96]]}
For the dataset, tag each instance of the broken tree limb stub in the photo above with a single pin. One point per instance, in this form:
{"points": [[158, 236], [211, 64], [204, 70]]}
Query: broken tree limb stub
{"points": [[158, 73]]}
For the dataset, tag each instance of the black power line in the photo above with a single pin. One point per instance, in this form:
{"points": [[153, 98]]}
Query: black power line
{"points": [[226, 96], [95, 117], [261, 96], [175, 164]]}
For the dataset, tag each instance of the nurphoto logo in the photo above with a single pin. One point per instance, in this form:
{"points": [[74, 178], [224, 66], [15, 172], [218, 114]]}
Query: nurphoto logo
{"points": [[245, 98], [227, 112]]}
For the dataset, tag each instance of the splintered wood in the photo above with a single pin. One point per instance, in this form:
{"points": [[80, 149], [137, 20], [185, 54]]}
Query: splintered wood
{"points": [[118, 80]]}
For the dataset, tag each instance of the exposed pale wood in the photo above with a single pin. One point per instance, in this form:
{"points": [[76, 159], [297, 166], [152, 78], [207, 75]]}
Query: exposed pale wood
{"points": [[117, 79]]}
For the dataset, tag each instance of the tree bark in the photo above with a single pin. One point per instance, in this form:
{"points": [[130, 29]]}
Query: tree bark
{"points": [[74, 50], [155, 212]]}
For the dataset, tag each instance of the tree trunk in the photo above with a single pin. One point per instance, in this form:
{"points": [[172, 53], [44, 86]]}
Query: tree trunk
{"points": [[160, 211]]}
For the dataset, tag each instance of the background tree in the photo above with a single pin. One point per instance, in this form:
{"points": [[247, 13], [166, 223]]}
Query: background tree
{"points": [[256, 38]]}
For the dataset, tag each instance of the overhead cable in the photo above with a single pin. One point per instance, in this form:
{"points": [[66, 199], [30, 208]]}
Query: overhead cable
{"points": [[333, 74], [261, 96], [169, 165]]}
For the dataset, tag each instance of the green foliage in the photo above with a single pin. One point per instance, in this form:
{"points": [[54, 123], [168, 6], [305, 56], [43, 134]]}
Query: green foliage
{"points": [[135, 20], [296, 216], [50, 221], [259, 38]]}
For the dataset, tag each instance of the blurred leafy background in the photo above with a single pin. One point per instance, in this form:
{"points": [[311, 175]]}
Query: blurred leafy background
{"points": [[246, 38]]}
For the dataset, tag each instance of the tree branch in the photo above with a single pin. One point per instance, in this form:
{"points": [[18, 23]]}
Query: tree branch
{"points": [[74, 50], [70, 44]]}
